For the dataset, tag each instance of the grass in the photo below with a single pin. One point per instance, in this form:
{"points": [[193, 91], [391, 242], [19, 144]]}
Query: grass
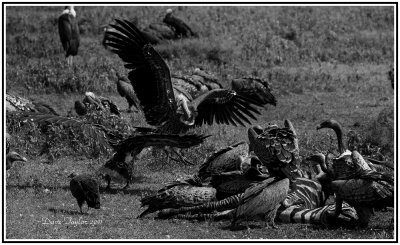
{"points": [[323, 62]]}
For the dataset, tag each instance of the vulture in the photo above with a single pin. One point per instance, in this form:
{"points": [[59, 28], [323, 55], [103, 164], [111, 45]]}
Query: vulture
{"points": [[180, 193], [277, 148], [209, 80], [151, 80], [364, 191], [164, 107], [69, 32], [85, 188], [200, 81], [125, 89], [100, 103], [262, 201], [230, 158], [390, 75], [80, 108], [254, 87], [235, 182], [120, 166], [11, 156], [180, 27], [349, 163]]}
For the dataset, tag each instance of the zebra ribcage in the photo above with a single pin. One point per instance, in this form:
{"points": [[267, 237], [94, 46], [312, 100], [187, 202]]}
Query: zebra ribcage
{"points": [[225, 204], [306, 193]]}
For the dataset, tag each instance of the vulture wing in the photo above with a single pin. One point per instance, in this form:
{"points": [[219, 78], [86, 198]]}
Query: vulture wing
{"points": [[149, 75], [225, 107], [255, 88]]}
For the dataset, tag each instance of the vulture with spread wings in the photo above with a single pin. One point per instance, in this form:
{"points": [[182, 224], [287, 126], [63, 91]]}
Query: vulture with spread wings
{"points": [[169, 111]]}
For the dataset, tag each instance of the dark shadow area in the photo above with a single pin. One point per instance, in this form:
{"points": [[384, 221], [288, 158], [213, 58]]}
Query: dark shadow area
{"points": [[30, 186], [240, 227], [67, 211]]}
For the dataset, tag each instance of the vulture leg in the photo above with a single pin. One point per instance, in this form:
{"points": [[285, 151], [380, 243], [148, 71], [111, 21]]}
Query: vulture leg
{"points": [[80, 203], [364, 215], [338, 208], [127, 185], [108, 179]]}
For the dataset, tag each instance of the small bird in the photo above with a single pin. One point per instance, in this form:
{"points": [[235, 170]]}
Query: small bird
{"points": [[85, 188], [69, 33]]}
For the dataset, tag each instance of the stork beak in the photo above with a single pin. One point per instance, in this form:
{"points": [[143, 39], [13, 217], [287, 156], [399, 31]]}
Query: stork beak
{"points": [[23, 159]]}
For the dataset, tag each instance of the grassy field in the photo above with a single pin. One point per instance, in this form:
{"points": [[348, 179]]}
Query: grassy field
{"points": [[323, 62]]}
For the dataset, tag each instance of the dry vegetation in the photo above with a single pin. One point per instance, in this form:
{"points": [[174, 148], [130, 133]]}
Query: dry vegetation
{"points": [[323, 62]]}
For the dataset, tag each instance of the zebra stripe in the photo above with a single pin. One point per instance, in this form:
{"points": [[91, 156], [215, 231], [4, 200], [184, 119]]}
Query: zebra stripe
{"points": [[306, 192], [297, 214], [302, 205]]}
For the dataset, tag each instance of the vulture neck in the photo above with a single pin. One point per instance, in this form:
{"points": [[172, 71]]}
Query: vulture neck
{"points": [[339, 134]]}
